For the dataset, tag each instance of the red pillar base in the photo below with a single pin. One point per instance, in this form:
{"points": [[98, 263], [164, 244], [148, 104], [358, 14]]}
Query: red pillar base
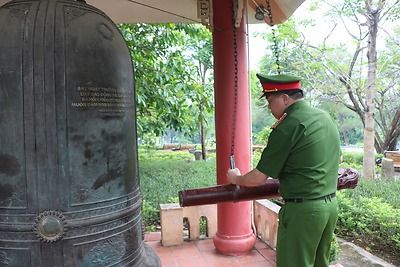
{"points": [[234, 245]]}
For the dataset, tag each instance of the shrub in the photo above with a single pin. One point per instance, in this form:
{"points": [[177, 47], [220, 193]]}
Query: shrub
{"points": [[334, 252], [386, 190], [163, 174], [369, 217], [261, 138], [353, 157], [150, 215]]}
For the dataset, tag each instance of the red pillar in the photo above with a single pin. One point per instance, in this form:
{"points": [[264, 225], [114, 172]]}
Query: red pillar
{"points": [[234, 235]]}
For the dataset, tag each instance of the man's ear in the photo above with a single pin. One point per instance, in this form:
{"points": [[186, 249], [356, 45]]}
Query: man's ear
{"points": [[286, 98]]}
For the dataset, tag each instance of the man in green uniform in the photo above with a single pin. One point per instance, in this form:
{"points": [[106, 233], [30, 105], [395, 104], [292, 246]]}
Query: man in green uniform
{"points": [[303, 152]]}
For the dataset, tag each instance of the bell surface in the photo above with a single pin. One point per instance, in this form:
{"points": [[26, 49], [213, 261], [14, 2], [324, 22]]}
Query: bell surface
{"points": [[69, 185]]}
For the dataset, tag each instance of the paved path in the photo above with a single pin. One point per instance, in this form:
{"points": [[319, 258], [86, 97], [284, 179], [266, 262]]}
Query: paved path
{"points": [[353, 256]]}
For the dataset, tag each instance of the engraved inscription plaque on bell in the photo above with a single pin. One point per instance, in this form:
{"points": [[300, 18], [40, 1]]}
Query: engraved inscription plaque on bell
{"points": [[69, 186]]}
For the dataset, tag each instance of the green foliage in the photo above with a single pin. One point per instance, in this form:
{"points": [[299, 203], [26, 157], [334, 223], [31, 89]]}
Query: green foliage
{"points": [[353, 157], [149, 140], [385, 189], [355, 160], [256, 157], [261, 138], [168, 84], [261, 116], [163, 174], [369, 217], [350, 127], [150, 214], [334, 252], [203, 226], [371, 212]]}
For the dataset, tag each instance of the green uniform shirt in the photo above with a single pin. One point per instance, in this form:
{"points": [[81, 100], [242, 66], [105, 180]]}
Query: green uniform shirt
{"points": [[303, 152]]}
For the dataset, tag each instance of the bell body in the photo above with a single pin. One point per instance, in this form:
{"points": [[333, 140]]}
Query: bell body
{"points": [[69, 186]]}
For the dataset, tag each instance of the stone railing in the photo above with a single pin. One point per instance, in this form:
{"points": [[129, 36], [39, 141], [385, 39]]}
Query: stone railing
{"points": [[266, 221], [172, 216]]}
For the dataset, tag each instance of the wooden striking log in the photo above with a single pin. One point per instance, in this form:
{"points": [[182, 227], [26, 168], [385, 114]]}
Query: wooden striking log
{"points": [[347, 179]]}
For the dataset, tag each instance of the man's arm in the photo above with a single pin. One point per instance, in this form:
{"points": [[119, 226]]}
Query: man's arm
{"points": [[252, 178]]}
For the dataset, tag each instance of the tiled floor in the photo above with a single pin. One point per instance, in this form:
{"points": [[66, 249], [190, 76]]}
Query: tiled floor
{"points": [[202, 253]]}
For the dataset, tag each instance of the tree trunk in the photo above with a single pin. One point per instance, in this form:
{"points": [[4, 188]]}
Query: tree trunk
{"points": [[344, 132], [346, 139], [203, 132], [372, 17], [392, 137]]}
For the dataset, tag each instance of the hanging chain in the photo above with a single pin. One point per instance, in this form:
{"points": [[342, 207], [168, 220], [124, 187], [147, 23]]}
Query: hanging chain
{"points": [[235, 56], [276, 49]]}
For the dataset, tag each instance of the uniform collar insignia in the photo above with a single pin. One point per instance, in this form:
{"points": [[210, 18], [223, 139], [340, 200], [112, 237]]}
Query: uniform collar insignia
{"points": [[278, 121]]}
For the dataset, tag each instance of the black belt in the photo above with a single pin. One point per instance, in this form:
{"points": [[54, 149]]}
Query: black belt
{"points": [[300, 200]]}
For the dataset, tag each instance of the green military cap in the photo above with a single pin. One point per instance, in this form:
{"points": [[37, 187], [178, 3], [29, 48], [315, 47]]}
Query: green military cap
{"points": [[280, 82]]}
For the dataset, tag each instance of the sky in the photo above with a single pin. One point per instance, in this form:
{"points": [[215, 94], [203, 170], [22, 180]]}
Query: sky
{"points": [[258, 46]]}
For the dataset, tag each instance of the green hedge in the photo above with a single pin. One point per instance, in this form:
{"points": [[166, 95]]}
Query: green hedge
{"points": [[164, 173], [371, 212]]}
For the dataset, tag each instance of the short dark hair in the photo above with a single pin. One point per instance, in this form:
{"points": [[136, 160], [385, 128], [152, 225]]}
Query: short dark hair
{"points": [[294, 94]]}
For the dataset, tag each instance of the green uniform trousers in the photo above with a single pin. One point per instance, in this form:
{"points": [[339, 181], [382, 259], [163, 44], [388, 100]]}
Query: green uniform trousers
{"points": [[305, 233]]}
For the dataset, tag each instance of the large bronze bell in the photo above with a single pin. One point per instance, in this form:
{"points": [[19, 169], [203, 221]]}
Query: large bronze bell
{"points": [[69, 186]]}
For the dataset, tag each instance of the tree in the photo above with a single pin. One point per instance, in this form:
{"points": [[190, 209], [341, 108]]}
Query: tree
{"points": [[350, 72], [200, 51], [163, 75], [387, 99], [373, 13], [351, 128]]}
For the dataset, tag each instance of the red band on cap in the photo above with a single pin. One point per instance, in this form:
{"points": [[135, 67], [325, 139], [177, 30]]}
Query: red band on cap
{"points": [[273, 87]]}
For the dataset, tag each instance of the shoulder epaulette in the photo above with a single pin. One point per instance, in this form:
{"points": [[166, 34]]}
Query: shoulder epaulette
{"points": [[278, 121]]}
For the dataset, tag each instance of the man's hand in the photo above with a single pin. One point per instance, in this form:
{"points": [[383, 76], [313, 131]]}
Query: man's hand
{"points": [[232, 175]]}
